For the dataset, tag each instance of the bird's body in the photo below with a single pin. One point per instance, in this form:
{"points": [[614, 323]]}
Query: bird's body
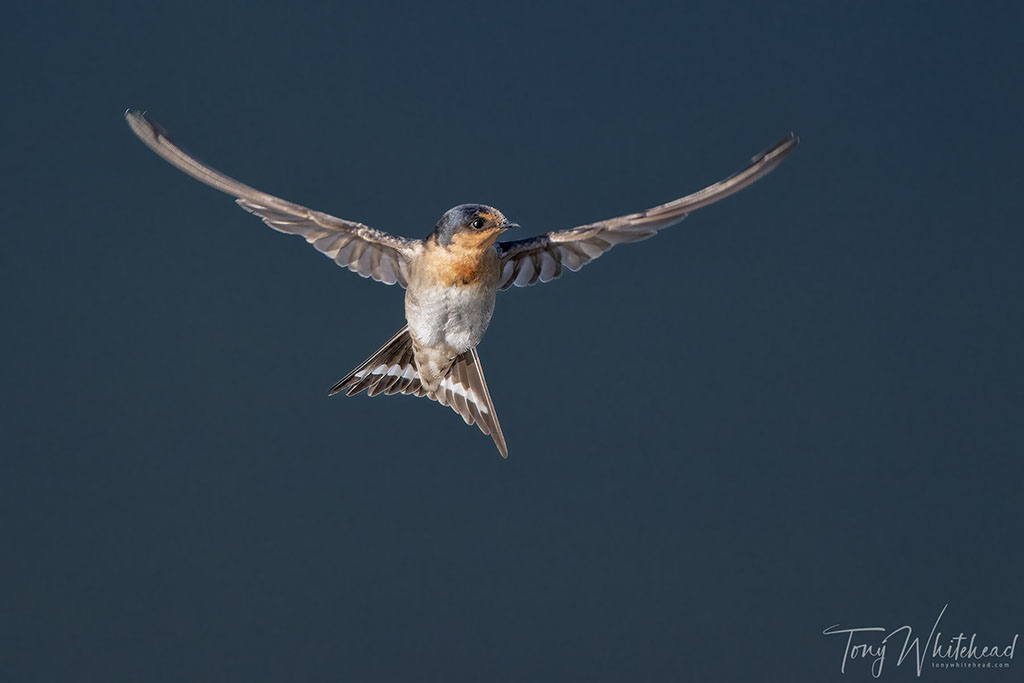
{"points": [[449, 302], [451, 277], [445, 323]]}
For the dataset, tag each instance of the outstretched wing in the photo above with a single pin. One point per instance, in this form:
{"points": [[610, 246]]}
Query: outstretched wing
{"points": [[542, 258], [361, 249]]}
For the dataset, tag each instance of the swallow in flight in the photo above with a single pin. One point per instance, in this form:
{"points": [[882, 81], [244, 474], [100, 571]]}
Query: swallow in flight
{"points": [[451, 276]]}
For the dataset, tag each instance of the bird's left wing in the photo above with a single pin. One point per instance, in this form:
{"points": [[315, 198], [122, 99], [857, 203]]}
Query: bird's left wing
{"points": [[542, 258], [363, 250]]}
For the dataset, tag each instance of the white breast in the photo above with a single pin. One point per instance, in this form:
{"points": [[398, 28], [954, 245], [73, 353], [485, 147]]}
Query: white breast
{"points": [[452, 317]]}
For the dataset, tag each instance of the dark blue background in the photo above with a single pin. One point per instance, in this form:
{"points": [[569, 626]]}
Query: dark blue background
{"points": [[800, 407]]}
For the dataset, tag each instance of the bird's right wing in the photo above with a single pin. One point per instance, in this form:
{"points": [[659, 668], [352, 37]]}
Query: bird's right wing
{"points": [[542, 258], [363, 250]]}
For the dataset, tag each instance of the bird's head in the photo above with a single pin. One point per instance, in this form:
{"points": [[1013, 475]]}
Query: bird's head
{"points": [[471, 225]]}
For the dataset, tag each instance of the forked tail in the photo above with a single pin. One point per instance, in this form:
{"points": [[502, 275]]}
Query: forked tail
{"points": [[392, 370]]}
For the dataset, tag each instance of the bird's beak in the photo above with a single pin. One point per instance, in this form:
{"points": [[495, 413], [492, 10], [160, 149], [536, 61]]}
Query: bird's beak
{"points": [[507, 226]]}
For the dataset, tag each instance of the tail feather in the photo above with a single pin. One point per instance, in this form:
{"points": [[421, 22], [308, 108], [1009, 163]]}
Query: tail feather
{"points": [[392, 370], [386, 355]]}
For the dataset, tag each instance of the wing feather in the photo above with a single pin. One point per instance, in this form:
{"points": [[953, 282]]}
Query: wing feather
{"points": [[524, 262], [386, 256]]}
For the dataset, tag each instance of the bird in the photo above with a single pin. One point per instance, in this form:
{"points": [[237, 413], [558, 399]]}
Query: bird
{"points": [[451, 277]]}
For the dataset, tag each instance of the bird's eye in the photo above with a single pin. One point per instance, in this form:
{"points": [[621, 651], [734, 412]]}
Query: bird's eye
{"points": [[478, 223]]}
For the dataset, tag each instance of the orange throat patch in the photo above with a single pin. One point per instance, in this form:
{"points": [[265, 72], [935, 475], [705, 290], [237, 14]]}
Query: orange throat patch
{"points": [[464, 262]]}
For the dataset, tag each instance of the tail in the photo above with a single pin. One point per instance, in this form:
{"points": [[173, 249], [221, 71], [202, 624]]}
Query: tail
{"points": [[392, 370]]}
